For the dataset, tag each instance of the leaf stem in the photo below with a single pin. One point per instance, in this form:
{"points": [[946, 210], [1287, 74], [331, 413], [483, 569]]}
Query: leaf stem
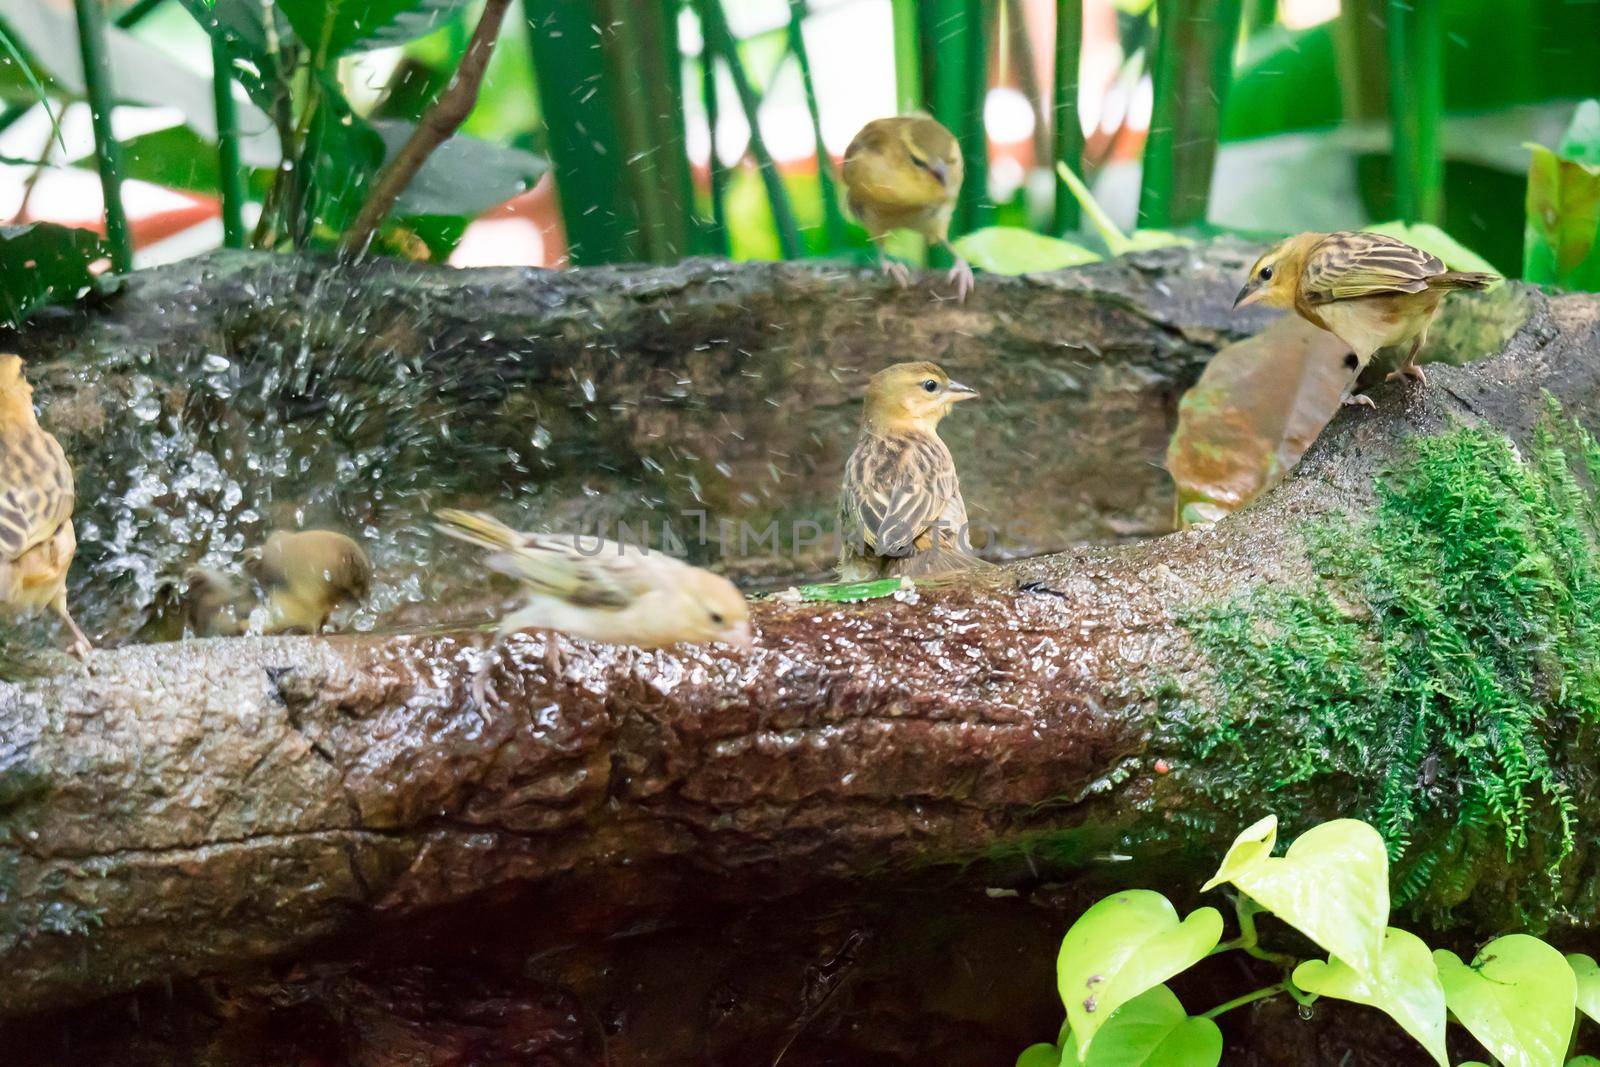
{"points": [[1249, 998]]}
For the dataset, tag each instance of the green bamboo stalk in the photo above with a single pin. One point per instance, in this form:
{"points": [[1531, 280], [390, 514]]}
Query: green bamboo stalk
{"points": [[1067, 132], [907, 58], [108, 152], [719, 173], [956, 75], [1195, 42], [832, 217], [575, 90], [714, 24], [1259, 15], [1416, 94], [231, 180], [136, 13]]}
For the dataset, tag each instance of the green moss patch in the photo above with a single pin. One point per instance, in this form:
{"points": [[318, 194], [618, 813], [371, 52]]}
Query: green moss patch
{"points": [[1447, 666]]}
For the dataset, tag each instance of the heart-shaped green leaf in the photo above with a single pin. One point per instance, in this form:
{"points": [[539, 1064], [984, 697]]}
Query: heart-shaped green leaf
{"points": [[1583, 1061], [1124, 945], [1517, 998], [1406, 987], [1587, 972], [1040, 1056], [1014, 250], [1153, 1030], [1332, 885]]}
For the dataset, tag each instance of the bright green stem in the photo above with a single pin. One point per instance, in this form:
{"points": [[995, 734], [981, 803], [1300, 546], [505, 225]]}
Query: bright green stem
{"points": [[1263, 993], [832, 217], [640, 46], [232, 173], [719, 173], [586, 147], [907, 58], [1195, 42], [1416, 94], [1068, 133], [720, 39], [956, 77], [108, 152]]}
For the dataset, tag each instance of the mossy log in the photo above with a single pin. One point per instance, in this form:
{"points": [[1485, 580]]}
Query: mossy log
{"points": [[843, 802]]}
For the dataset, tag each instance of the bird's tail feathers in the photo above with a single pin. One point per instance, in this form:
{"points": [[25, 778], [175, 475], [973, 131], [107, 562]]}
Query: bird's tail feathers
{"points": [[476, 528], [1464, 279]]}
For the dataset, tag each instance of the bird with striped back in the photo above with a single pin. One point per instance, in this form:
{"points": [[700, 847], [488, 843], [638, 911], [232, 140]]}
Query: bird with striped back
{"points": [[904, 173], [1370, 290], [900, 508], [37, 541]]}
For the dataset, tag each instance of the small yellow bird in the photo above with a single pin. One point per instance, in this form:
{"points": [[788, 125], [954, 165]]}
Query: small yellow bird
{"points": [[1369, 290], [306, 576], [900, 509], [603, 591], [213, 604], [37, 541], [904, 173]]}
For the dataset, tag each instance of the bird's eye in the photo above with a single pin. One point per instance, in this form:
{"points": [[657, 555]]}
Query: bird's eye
{"points": [[930, 386], [1266, 274], [717, 619]]}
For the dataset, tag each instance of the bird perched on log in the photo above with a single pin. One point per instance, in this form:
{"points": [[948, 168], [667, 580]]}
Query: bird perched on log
{"points": [[37, 541], [306, 575], [900, 509], [904, 173], [604, 591], [1370, 290]]}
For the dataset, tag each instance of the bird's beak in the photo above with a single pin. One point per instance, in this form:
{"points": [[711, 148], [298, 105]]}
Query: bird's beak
{"points": [[957, 391], [939, 170], [1251, 292], [741, 637]]}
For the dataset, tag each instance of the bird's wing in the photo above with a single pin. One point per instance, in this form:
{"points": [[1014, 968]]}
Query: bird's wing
{"points": [[36, 495], [1346, 265], [587, 572], [895, 488]]}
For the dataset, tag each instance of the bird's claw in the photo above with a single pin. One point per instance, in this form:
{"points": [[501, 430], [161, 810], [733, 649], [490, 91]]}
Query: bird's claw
{"points": [[961, 277], [1410, 370], [897, 271], [1361, 400]]}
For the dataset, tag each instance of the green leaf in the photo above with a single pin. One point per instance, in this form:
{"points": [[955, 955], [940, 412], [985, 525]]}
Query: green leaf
{"points": [[1014, 250], [1153, 1030], [1040, 1056], [463, 177], [1583, 1061], [1517, 998], [1563, 220], [333, 27], [42, 263], [1116, 241], [1587, 972], [1406, 988], [850, 592], [1332, 885], [1430, 238], [1125, 945]]}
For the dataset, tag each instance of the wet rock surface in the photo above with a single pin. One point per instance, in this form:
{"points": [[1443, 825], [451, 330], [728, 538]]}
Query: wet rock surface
{"points": [[688, 856]]}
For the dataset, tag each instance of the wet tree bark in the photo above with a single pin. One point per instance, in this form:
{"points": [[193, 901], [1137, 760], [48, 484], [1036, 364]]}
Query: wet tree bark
{"points": [[867, 772]]}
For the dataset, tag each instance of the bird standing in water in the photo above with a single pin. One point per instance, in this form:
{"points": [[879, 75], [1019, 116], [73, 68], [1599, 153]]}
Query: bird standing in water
{"points": [[306, 575], [1370, 290], [604, 591], [904, 173], [900, 509], [37, 541]]}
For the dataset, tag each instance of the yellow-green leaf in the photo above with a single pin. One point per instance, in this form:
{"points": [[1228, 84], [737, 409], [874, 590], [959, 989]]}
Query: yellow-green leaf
{"points": [[1126, 944], [1517, 998], [1406, 988], [1332, 885], [1014, 250], [1587, 973], [1153, 1030]]}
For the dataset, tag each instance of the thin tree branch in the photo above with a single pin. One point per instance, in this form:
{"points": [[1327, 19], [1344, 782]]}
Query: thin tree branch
{"points": [[436, 127]]}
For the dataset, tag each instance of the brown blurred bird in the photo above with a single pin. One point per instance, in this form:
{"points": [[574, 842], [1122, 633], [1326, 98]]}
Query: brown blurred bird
{"points": [[1370, 290], [37, 541], [900, 509], [306, 575], [213, 604], [603, 591], [904, 173]]}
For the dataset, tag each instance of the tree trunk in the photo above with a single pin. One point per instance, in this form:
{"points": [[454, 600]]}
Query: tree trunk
{"points": [[693, 853]]}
